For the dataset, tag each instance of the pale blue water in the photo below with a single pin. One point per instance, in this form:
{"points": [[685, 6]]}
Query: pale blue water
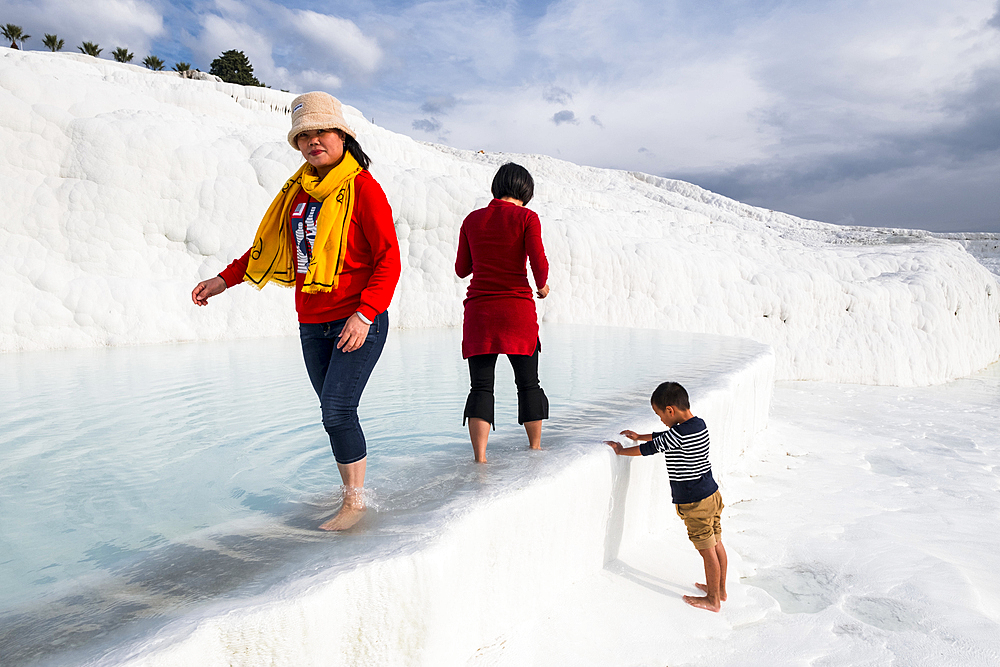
{"points": [[139, 483]]}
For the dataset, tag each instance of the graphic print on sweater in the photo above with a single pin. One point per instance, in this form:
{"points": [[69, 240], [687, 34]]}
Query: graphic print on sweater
{"points": [[304, 225]]}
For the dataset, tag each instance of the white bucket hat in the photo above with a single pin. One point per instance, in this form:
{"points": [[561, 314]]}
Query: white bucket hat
{"points": [[316, 111]]}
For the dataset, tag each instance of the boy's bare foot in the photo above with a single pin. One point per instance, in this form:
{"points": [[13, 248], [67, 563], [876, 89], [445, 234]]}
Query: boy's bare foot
{"points": [[531, 446], [704, 589], [702, 603], [344, 519]]}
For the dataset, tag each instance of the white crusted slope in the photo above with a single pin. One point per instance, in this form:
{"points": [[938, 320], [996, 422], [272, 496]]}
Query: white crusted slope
{"points": [[123, 187]]}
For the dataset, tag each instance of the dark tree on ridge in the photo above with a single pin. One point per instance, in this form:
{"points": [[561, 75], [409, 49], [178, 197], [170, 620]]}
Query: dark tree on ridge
{"points": [[234, 67], [182, 67], [53, 42], [90, 49], [153, 63], [14, 34], [122, 55]]}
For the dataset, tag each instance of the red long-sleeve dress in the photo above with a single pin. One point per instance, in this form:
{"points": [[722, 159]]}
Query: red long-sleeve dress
{"points": [[494, 246], [371, 265]]}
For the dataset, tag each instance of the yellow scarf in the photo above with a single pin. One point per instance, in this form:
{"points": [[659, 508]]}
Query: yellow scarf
{"points": [[272, 256]]}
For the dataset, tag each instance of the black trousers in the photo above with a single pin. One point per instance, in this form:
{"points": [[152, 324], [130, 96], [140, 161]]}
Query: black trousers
{"points": [[532, 404]]}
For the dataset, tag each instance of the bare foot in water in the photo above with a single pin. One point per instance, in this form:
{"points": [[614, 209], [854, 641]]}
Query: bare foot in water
{"points": [[702, 603], [704, 589], [534, 432], [344, 519], [351, 511]]}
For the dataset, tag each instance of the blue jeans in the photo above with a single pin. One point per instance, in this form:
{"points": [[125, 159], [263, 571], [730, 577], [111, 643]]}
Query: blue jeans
{"points": [[339, 378]]}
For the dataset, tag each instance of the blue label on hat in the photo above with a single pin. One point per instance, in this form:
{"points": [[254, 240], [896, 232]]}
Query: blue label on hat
{"points": [[297, 107]]}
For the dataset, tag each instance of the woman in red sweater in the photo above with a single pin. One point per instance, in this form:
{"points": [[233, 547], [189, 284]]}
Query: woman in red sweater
{"points": [[494, 246], [329, 233]]}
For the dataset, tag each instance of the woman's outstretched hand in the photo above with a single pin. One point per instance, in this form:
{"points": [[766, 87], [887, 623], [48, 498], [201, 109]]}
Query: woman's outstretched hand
{"points": [[543, 291], [353, 335], [206, 289]]}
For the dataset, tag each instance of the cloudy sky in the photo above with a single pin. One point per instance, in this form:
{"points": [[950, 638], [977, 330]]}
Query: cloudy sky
{"points": [[873, 112]]}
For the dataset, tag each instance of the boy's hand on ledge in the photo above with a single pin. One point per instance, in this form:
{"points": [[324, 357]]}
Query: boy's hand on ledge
{"points": [[631, 435], [621, 450]]}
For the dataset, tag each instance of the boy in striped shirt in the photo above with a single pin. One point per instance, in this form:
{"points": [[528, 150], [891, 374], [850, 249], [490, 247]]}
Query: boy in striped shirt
{"points": [[695, 494]]}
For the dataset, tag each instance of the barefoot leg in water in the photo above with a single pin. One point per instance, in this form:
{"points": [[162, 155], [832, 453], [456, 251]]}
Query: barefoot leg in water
{"points": [[534, 431], [353, 506], [479, 433]]}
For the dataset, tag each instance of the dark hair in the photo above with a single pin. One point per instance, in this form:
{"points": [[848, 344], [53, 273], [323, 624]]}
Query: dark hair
{"points": [[352, 146], [672, 394], [513, 180]]}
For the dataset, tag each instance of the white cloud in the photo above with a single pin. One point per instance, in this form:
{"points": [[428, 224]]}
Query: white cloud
{"points": [[237, 10], [732, 91], [220, 34], [821, 96], [457, 41], [327, 33], [289, 48], [316, 80], [110, 23], [698, 115]]}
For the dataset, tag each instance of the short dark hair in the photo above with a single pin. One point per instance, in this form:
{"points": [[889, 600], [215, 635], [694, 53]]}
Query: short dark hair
{"points": [[672, 394], [513, 180]]}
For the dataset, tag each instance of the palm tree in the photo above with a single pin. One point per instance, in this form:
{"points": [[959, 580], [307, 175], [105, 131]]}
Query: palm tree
{"points": [[90, 49], [182, 67], [122, 55], [14, 34], [53, 42], [153, 63]]}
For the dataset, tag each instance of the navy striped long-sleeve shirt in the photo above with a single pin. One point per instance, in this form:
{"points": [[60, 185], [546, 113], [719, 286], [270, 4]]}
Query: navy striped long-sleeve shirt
{"points": [[685, 451]]}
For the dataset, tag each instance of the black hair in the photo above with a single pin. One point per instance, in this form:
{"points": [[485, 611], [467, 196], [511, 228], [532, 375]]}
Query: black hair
{"points": [[352, 146], [514, 181], [672, 394]]}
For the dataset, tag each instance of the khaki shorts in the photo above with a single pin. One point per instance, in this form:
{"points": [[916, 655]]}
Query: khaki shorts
{"points": [[702, 521]]}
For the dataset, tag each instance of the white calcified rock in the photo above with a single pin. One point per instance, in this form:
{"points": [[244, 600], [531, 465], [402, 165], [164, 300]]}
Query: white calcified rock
{"points": [[122, 188], [198, 75]]}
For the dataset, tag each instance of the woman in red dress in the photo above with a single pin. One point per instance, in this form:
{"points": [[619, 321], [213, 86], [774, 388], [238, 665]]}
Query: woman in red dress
{"points": [[494, 246]]}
